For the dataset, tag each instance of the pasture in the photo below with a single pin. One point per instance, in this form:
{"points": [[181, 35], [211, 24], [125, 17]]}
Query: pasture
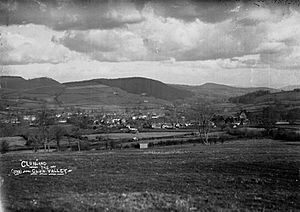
{"points": [[142, 135], [240, 175]]}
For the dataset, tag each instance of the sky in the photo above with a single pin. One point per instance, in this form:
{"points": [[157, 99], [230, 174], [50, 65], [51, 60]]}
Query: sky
{"points": [[239, 43]]}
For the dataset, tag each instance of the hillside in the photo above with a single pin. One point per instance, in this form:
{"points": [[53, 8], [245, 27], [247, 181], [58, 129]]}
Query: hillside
{"points": [[31, 94], [24, 94], [132, 94], [290, 87], [283, 101], [218, 92], [258, 97], [107, 98], [139, 85], [19, 83], [289, 97]]}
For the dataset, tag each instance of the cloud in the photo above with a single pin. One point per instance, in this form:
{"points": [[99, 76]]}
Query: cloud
{"points": [[281, 46], [153, 31], [189, 11], [159, 38], [271, 33], [106, 45], [23, 45], [65, 15]]}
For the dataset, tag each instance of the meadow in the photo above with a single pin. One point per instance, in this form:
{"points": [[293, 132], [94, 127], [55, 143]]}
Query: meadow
{"points": [[142, 135], [239, 175]]}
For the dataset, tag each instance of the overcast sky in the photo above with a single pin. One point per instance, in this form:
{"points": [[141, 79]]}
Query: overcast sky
{"points": [[184, 42]]}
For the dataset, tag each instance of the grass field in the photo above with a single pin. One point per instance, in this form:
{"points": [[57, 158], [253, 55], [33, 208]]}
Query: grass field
{"points": [[254, 175], [142, 135]]}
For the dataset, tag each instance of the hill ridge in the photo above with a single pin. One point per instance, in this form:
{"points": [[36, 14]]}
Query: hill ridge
{"points": [[139, 85]]}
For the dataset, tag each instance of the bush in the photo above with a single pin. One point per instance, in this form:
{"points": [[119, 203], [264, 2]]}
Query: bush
{"points": [[285, 134], [84, 145], [127, 146], [4, 147], [112, 144], [150, 144], [135, 145], [226, 137], [125, 140], [247, 132]]}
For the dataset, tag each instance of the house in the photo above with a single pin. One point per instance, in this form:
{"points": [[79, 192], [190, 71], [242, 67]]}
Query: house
{"points": [[29, 118], [143, 145], [156, 125], [282, 123], [62, 121], [167, 126]]}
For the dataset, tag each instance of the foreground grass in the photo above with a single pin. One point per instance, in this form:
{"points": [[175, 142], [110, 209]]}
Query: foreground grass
{"points": [[238, 175]]}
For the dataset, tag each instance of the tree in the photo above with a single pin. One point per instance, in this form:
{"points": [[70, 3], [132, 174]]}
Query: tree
{"points": [[76, 134], [218, 120], [44, 120], [269, 117], [204, 113], [4, 146], [6, 129], [35, 140], [57, 132], [293, 115]]}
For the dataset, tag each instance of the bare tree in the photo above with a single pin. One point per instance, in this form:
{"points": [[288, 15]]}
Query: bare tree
{"points": [[204, 112], [44, 120]]}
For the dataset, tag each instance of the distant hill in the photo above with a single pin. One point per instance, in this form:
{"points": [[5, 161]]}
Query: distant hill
{"points": [[19, 83], [132, 93], [32, 93], [290, 87], [218, 92], [21, 93], [262, 96], [249, 97], [140, 86], [286, 97], [257, 101], [107, 98]]}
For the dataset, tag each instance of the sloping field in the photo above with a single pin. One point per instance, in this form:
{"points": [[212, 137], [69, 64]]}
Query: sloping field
{"points": [[96, 96], [139, 85], [212, 91], [280, 96], [248, 175]]}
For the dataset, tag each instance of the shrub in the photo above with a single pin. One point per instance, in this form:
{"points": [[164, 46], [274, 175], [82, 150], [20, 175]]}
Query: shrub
{"points": [[126, 146], [285, 134], [247, 132], [150, 144], [125, 140], [112, 145], [136, 145], [84, 145], [226, 137], [4, 147]]}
